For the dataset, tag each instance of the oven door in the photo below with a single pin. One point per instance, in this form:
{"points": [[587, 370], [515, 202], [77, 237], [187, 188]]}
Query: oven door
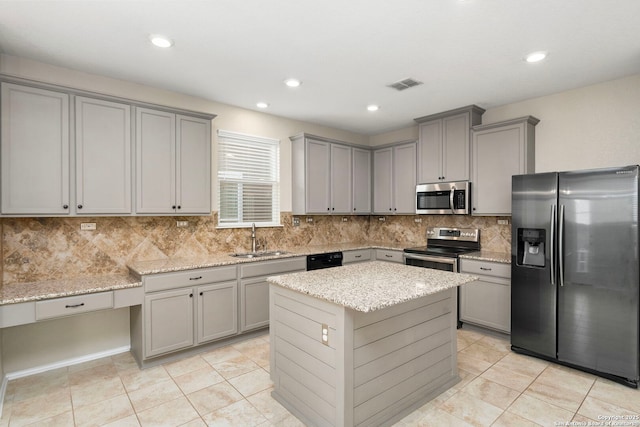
{"points": [[428, 261]]}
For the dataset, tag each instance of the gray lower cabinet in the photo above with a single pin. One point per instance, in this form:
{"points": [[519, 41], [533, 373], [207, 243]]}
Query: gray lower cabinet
{"points": [[254, 289], [358, 255], [487, 301], [389, 255]]}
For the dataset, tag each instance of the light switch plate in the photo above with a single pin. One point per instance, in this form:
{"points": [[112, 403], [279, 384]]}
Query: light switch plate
{"points": [[87, 226], [182, 223]]}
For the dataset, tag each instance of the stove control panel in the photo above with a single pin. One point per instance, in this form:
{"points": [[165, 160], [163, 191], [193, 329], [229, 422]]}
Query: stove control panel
{"points": [[444, 233]]}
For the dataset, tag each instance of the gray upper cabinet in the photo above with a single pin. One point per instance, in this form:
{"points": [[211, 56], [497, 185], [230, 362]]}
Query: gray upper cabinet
{"points": [[329, 176], [103, 157], [173, 163], [394, 179], [443, 148], [35, 151], [500, 150]]}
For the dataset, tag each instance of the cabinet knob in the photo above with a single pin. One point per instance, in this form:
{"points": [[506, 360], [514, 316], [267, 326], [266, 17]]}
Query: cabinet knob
{"points": [[328, 209], [474, 209], [390, 209], [200, 293], [354, 209], [179, 207], [65, 206], [79, 206], [173, 207], [190, 295]]}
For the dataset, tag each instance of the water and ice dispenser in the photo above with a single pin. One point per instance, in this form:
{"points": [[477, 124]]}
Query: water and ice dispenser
{"points": [[531, 247]]}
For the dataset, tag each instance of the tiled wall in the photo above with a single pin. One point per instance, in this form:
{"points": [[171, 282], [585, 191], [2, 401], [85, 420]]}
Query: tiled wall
{"points": [[35, 249]]}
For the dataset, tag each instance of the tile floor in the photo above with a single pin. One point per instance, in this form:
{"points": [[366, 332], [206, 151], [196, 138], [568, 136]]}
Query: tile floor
{"points": [[230, 386]]}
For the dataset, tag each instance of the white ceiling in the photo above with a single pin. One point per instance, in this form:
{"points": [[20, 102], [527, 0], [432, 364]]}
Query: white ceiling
{"points": [[239, 52]]}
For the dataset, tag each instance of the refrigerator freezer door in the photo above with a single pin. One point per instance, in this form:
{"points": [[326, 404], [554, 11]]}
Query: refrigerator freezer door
{"points": [[598, 298], [533, 293]]}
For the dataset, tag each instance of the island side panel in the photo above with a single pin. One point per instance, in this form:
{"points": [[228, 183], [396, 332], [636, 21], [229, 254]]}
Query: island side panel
{"points": [[404, 356], [308, 375]]}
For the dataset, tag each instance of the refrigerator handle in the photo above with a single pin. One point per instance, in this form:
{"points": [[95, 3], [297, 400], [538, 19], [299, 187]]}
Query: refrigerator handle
{"points": [[561, 245], [551, 245]]}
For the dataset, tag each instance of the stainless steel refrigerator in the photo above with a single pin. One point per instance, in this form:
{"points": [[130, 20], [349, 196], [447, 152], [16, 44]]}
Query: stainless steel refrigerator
{"points": [[575, 280]]}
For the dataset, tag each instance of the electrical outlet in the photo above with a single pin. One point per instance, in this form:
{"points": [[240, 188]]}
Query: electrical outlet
{"points": [[296, 221], [345, 219], [381, 218], [503, 222], [182, 224], [309, 219], [325, 334], [87, 226], [417, 219]]}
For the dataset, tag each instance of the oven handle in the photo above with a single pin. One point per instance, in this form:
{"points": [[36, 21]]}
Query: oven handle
{"points": [[442, 260]]}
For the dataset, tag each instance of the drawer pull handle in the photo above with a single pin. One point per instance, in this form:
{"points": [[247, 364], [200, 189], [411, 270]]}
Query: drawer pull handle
{"points": [[74, 305], [358, 256], [195, 278], [388, 256], [485, 269]]}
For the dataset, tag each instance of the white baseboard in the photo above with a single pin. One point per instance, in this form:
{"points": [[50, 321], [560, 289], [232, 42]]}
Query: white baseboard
{"points": [[68, 362]]}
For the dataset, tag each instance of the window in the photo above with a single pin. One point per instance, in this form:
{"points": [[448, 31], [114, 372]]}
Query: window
{"points": [[248, 180]]}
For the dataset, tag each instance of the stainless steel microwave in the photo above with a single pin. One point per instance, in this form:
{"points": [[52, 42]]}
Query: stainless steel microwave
{"points": [[444, 198]]}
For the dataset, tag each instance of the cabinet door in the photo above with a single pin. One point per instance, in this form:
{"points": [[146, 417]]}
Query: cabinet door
{"points": [[168, 321], [193, 175], [383, 181], [317, 160], [487, 304], [254, 303], [497, 155], [455, 146], [35, 151], [341, 178], [430, 152], [103, 157], [217, 314], [404, 178], [361, 185], [155, 161]]}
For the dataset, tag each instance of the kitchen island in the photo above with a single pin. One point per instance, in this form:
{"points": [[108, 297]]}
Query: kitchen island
{"points": [[363, 344]]}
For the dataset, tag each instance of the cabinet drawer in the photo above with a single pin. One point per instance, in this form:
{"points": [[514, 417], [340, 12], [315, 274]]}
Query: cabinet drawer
{"points": [[356, 256], [180, 279], [389, 255], [267, 268], [61, 307], [485, 268]]}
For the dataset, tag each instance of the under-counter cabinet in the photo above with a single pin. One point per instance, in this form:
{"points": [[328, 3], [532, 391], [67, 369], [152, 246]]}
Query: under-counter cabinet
{"points": [[486, 301], [394, 179], [443, 146], [500, 150], [358, 255], [173, 163], [389, 255], [254, 289], [35, 151]]}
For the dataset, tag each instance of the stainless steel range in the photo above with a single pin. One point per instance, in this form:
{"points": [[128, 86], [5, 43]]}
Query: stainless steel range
{"points": [[444, 245]]}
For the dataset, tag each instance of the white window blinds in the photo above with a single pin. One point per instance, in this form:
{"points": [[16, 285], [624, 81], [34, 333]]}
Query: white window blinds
{"points": [[248, 180]]}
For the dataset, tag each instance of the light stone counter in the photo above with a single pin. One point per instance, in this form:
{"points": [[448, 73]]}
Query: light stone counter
{"points": [[371, 286], [502, 257], [36, 291]]}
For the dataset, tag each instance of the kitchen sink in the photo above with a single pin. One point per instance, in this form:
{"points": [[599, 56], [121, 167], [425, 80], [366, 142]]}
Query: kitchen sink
{"points": [[258, 254]]}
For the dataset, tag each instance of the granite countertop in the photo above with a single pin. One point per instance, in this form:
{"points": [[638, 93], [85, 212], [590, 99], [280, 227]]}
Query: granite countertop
{"points": [[502, 257], [371, 286], [35, 291], [141, 268]]}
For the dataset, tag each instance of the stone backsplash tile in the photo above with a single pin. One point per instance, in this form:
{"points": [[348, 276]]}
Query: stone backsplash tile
{"points": [[35, 249]]}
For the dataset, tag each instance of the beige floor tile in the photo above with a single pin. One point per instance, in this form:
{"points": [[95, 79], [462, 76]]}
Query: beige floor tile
{"points": [[595, 409], [93, 374], [241, 413], [62, 420], [130, 421], [560, 388], [214, 397], [184, 366], [135, 380], [90, 364], [37, 379], [609, 391], [471, 409], [233, 367], [465, 378], [124, 362], [500, 344], [40, 408], [557, 375], [42, 387], [577, 418], [507, 419], [103, 412], [93, 392], [508, 378], [472, 364], [154, 395], [267, 405], [469, 335], [173, 413], [483, 352], [199, 379], [436, 417], [290, 421], [525, 365], [249, 345], [195, 423], [252, 382], [491, 392], [540, 412], [220, 355]]}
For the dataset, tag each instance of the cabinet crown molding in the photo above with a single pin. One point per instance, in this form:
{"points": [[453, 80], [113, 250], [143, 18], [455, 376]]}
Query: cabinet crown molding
{"points": [[525, 119], [472, 109]]}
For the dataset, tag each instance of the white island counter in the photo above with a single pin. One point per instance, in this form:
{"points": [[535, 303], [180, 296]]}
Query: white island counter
{"points": [[363, 344]]}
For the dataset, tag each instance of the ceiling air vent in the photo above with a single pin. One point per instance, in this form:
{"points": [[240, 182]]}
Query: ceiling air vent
{"points": [[404, 84]]}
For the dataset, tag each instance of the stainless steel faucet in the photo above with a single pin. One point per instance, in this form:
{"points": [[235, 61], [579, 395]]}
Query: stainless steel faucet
{"points": [[253, 237]]}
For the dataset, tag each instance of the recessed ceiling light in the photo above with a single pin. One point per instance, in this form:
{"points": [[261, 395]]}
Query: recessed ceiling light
{"points": [[535, 56], [292, 82], [373, 107], [262, 105], [161, 41]]}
